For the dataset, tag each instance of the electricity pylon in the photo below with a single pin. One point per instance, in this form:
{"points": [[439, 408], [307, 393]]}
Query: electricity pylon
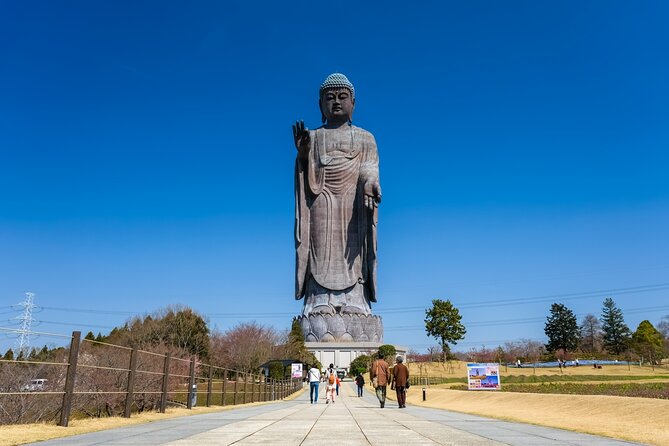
{"points": [[26, 320]]}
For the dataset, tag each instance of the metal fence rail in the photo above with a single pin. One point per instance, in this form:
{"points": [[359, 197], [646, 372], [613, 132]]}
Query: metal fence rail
{"points": [[95, 378]]}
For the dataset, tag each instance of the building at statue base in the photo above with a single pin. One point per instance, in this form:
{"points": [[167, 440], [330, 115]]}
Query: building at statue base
{"points": [[342, 353]]}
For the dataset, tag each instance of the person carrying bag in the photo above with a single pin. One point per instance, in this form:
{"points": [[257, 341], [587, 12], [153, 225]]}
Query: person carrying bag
{"points": [[380, 375]]}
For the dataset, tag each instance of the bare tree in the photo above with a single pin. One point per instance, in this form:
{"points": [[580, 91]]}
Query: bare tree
{"points": [[22, 403], [435, 353], [531, 350], [591, 334], [244, 347], [663, 328]]}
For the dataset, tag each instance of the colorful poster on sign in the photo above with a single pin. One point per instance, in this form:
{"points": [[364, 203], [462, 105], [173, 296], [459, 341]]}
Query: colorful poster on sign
{"points": [[483, 376], [296, 370]]}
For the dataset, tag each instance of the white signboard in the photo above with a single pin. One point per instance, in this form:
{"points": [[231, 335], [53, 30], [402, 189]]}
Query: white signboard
{"points": [[296, 370], [483, 376]]}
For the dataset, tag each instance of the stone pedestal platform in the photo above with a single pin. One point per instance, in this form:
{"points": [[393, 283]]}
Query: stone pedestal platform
{"points": [[337, 327]]}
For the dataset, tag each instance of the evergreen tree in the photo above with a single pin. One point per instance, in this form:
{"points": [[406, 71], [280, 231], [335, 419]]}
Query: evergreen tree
{"points": [[296, 348], [442, 321], [616, 334], [561, 329], [648, 342], [90, 336], [277, 370], [359, 365], [178, 327], [388, 351], [186, 330], [9, 355], [43, 355]]}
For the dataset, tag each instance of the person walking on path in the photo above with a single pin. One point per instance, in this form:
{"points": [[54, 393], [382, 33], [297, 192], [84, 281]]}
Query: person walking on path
{"points": [[360, 382], [400, 381], [380, 375], [338, 383], [330, 389], [314, 380]]}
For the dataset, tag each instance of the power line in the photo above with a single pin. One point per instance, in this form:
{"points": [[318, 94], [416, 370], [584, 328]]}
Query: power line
{"points": [[526, 300], [529, 320], [74, 324], [391, 310], [82, 310]]}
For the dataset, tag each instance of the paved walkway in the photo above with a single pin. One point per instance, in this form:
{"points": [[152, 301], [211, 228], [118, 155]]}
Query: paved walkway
{"points": [[350, 421]]}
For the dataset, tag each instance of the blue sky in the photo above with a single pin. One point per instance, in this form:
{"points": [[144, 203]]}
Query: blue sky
{"points": [[146, 158]]}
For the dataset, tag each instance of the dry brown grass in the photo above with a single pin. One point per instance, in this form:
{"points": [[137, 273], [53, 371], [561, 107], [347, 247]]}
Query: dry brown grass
{"points": [[637, 419], [459, 369]]}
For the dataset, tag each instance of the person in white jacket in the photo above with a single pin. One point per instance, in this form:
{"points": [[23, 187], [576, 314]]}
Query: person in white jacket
{"points": [[314, 380]]}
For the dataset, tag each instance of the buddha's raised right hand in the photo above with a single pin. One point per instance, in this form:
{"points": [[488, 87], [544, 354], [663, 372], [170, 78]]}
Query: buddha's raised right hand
{"points": [[302, 138]]}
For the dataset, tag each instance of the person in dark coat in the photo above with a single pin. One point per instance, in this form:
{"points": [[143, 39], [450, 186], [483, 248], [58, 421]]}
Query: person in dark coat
{"points": [[400, 381], [360, 382]]}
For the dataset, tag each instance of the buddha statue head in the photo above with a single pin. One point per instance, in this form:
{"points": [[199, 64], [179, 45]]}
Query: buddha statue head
{"points": [[336, 100]]}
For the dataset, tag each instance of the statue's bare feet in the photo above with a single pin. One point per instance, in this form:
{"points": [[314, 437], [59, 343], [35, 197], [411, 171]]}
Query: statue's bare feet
{"points": [[323, 309]]}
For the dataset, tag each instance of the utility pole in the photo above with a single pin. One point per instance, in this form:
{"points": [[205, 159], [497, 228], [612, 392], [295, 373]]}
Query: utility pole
{"points": [[26, 320]]}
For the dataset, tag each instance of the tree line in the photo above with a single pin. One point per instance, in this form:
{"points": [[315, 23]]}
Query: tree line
{"points": [[594, 337], [608, 334]]}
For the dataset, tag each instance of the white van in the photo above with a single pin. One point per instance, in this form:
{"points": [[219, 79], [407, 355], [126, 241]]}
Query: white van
{"points": [[35, 385]]}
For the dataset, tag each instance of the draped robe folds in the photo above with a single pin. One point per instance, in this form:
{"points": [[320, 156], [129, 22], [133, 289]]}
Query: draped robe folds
{"points": [[335, 234]]}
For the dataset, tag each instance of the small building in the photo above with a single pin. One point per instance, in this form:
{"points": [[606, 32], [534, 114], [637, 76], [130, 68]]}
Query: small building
{"points": [[286, 363]]}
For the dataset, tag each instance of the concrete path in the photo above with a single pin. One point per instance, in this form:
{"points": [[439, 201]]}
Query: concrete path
{"points": [[349, 421]]}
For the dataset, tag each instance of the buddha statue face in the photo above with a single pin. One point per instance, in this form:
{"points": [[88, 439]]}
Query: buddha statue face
{"points": [[337, 105]]}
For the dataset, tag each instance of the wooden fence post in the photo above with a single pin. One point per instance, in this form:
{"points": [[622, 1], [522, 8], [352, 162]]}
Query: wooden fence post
{"points": [[253, 388], [191, 384], [166, 377], [225, 382], [209, 385], [246, 385], [129, 396], [234, 399], [66, 407]]}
